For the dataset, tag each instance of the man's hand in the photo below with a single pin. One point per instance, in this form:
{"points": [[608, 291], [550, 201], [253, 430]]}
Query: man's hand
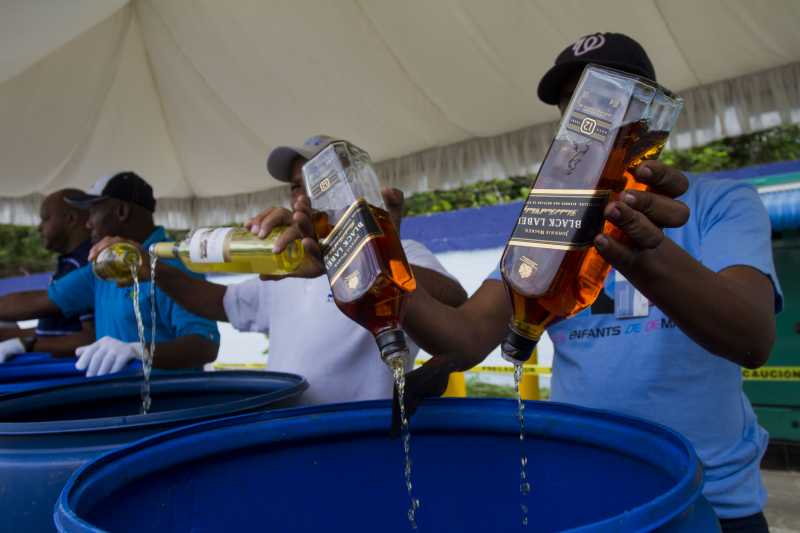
{"points": [[10, 348], [303, 228], [394, 200], [428, 381], [263, 223], [641, 215], [105, 242], [106, 356]]}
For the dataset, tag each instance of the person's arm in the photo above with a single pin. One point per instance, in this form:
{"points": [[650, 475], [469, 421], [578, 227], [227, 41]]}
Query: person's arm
{"points": [[27, 305], [730, 312], [65, 345], [195, 339], [109, 355], [188, 351], [429, 272], [196, 295], [13, 333], [463, 335], [442, 288]]}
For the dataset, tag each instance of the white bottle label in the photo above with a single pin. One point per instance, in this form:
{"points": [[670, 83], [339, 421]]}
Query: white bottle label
{"points": [[207, 245]]}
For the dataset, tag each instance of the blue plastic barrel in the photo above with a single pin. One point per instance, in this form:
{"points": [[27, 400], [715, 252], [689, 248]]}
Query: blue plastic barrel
{"points": [[41, 370], [30, 358], [334, 468], [45, 434]]}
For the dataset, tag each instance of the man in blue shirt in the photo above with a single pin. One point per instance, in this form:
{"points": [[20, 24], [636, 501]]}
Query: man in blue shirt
{"points": [[63, 230], [699, 251], [123, 205]]}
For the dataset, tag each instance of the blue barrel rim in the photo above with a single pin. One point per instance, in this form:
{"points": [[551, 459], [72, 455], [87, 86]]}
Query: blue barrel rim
{"points": [[649, 516], [296, 384]]}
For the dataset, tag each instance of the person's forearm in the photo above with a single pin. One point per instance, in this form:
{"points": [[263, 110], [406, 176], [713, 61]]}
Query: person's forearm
{"points": [[63, 345], [446, 290], [190, 352], [13, 333], [463, 335], [197, 296], [26, 305], [713, 309]]}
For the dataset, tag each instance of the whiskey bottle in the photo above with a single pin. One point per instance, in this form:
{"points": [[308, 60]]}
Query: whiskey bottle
{"points": [[550, 268], [364, 259]]}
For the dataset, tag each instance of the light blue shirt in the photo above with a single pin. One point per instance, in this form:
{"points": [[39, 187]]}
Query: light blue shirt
{"points": [[81, 291], [648, 367]]}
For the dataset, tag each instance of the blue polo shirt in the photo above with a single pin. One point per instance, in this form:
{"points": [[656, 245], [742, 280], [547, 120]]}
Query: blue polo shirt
{"points": [[81, 291], [58, 325], [646, 366]]}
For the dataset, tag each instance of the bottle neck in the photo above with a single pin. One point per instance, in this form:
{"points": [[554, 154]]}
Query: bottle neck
{"points": [[164, 250], [517, 348], [392, 345]]}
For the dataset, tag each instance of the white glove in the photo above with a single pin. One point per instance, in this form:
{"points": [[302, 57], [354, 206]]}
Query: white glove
{"points": [[9, 348], [106, 356]]}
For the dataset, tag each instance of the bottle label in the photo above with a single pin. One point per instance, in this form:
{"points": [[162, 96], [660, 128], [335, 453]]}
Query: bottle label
{"points": [[561, 219], [353, 231], [589, 126], [209, 245]]}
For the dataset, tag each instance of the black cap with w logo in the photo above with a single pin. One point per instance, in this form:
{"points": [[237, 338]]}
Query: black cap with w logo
{"points": [[613, 50]]}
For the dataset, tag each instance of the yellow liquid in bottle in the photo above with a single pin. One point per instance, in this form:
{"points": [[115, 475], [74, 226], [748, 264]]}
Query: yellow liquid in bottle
{"points": [[243, 253]]}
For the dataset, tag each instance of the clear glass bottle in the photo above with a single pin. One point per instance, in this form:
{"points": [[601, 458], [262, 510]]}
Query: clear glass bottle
{"points": [[117, 263]]}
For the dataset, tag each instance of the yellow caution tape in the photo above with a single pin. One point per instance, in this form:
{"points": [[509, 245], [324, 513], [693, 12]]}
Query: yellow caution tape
{"points": [[772, 373], [527, 370], [767, 373], [239, 366]]}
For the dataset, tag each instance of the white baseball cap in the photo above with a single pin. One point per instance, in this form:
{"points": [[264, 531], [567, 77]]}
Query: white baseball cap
{"points": [[279, 162]]}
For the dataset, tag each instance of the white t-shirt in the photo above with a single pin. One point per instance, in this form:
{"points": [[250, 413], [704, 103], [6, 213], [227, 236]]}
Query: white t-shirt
{"points": [[310, 336]]}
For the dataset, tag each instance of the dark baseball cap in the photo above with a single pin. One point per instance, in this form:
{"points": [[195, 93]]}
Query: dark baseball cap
{"points": [[126, 186], [613, 50]]}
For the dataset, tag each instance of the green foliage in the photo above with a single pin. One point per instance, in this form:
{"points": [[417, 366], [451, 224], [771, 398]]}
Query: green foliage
{"points": [[777, 144], [479, 389], [479, 194], [22, 252]]}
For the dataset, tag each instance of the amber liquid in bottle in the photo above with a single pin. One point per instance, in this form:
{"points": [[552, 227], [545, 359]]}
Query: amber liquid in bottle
{"points": [[370, 289], [571, 280]]}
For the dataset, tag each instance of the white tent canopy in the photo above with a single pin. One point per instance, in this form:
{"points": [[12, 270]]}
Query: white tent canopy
{"points": [[193, 94]]}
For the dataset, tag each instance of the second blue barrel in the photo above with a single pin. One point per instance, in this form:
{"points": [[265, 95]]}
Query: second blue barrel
{"points": [[35, 370], [334, 468], [45, 434]]}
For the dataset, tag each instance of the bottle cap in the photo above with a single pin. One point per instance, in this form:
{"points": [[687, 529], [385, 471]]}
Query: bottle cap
{"points": [[390, 343], [517, 348]]}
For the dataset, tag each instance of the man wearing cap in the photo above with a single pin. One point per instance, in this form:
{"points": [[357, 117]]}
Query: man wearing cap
{"points": [[63, 231], [699, 250], [338, 357], [122, 205]]}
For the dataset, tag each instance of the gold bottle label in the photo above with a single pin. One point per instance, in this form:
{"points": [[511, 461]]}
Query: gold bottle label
{"points": [[561, 219], [353, 231]]}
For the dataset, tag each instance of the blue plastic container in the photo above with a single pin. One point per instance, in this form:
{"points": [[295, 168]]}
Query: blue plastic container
{"points": [[334, 468], [30, 358], [45, 434], [37, 370]]}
